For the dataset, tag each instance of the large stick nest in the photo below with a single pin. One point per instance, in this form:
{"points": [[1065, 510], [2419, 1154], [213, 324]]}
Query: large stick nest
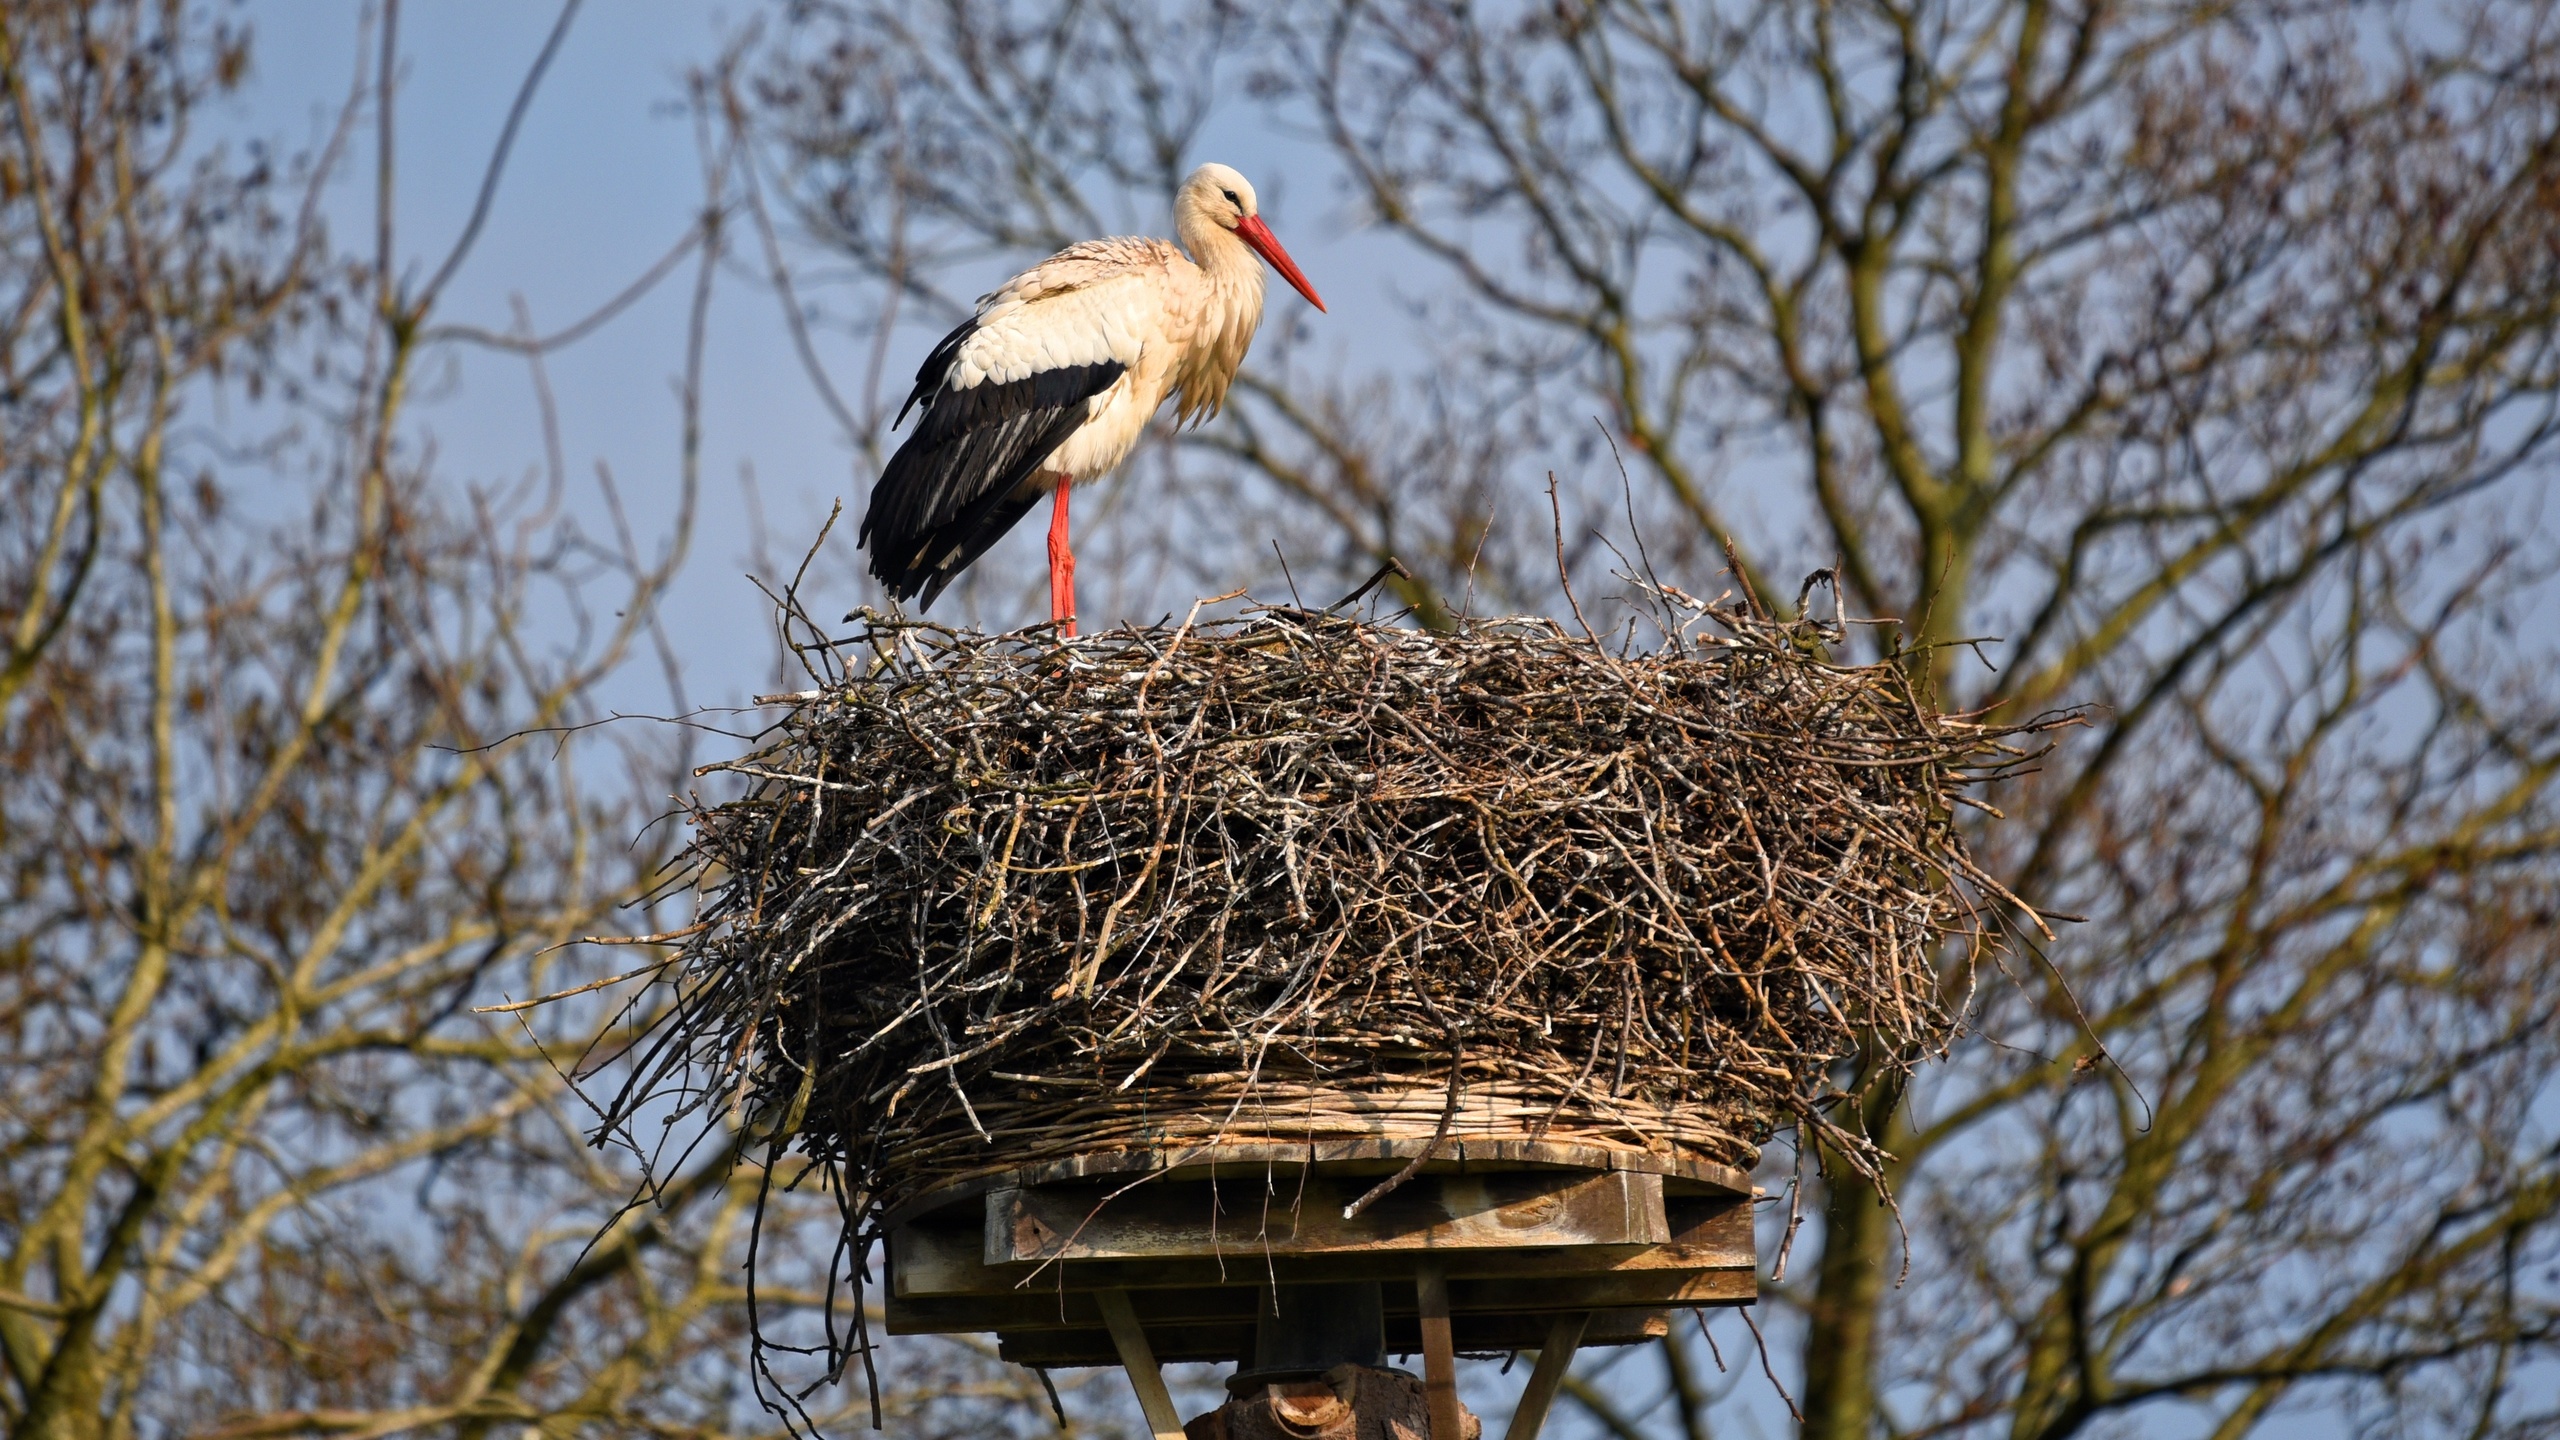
{"points": [[985, 900]]}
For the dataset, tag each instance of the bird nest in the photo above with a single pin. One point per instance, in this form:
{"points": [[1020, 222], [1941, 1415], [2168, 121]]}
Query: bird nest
{"points": [[981, 900]]}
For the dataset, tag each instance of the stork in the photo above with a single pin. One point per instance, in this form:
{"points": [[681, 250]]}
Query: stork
{"points": [[1053, 380]]}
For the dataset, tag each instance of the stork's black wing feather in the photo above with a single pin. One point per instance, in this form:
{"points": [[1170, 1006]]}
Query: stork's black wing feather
{"points": [[968, 472], [936, 368]]}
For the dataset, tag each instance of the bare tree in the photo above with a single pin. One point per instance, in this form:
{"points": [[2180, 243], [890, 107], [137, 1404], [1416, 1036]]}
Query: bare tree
{"points": [[2197, 360], [295, 786], [307, 798]]}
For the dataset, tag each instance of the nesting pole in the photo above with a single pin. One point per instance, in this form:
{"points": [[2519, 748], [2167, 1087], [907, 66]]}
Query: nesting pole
{"points": [[1302, 993]]}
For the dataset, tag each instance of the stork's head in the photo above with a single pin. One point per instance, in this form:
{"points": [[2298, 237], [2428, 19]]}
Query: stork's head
{"points": [[1221, 197]]}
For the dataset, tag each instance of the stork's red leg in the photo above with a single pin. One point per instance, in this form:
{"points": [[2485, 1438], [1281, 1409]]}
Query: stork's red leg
{"points": [[1062, 563]]}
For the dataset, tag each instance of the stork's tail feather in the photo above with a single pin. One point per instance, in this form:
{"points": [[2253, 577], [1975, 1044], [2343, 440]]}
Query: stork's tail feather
{"points": [[924, 562], [971, 469]]}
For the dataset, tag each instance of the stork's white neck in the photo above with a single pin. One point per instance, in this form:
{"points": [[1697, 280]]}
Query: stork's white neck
{"points": [[1229, 310], [1215, 248], [1234, 273]]}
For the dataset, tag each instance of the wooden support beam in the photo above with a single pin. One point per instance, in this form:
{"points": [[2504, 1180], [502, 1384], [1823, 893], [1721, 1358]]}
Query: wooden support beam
{"points": [[946, 1257], [1510, 1211], [1564, 1337], [1139, 1359], [1286, 1165], [1218, 1341], [1439, 1353], [1037, 1307]]}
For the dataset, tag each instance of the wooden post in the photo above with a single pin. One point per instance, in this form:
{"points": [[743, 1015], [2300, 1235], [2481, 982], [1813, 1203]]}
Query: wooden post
{"points": [[1554, 1358], [1139, 1359], [1439, 1352]]}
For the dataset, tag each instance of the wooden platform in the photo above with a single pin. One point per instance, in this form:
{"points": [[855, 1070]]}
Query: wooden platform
{"points": [[1520, 1231]]}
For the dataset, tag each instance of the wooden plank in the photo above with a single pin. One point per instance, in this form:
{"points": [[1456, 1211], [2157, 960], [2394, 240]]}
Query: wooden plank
{"points": [[1283, 1164], [929, 1259], [1072, 1349], [926, 1263], [1625, 1290], [1719, 1227], [1439, 1353], [1472, 1334], [1042, 1308], [1507, 1210], [1564, 1338], [1130, 1339]]}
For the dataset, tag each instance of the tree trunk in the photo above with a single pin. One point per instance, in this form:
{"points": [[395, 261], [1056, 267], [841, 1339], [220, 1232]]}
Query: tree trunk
{"points": [[1840, 1329]]}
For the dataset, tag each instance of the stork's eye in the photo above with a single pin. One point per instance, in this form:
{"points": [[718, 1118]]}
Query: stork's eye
{"points": [[1231, 199]]}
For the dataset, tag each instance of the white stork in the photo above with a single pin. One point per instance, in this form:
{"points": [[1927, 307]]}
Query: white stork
{"points": [[1054, 378]]}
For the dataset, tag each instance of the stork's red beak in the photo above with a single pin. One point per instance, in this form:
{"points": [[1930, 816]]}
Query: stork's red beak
{"points": [[1253, 232]]}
